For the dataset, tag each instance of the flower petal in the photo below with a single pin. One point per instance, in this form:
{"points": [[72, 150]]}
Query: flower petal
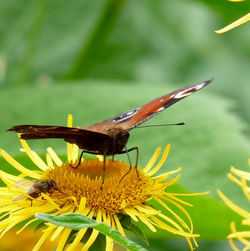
{"points": [[161, 162], [94, 233], [34, 156], [152, 160], [238, 22], [234, 207], [54, 156], [18, 166], [44, 237], [63, 239]]}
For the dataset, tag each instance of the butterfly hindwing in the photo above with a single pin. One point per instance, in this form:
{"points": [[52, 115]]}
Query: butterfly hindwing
{"points": [[89, 140]]}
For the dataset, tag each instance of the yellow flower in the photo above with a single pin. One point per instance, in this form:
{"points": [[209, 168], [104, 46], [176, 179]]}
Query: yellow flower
{"points": [[29, 238], [79, 190], [240, 178], [238, 22]]}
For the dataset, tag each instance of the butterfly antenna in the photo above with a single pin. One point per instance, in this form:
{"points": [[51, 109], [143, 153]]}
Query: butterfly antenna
{"points": [[181, 123]]}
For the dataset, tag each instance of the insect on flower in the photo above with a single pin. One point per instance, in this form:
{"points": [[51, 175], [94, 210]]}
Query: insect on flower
{"points": [[110, 136], [35, 187]]}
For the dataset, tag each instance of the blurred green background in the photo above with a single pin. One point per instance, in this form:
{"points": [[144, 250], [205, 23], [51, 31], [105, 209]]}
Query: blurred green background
{"points": [[96, 59]]}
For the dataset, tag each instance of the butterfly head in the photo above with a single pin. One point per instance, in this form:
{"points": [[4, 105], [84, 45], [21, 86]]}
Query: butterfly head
{"points": [[120, 137]]}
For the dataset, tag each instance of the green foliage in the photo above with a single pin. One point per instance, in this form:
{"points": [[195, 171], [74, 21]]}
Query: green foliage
{"points": [[95, 59], [130, 225], [78, 221]]}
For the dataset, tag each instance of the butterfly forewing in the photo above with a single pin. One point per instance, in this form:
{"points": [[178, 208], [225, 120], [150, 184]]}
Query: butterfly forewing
{"points": [[132, 118], [118, 121], [160, 104]]}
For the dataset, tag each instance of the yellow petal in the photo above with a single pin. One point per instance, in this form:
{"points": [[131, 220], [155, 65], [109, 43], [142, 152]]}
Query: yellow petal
{"points": [[43, 238], [54, 156], [69, 146], [119, 226], [240, 173], [94, 233], [152, 160], [161, 162], [238, 22], [63, 239], [27, 224], [18, 166], [34, 156], [234, 207]]}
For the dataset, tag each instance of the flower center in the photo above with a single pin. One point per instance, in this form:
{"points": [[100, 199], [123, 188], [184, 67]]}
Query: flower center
{"points": [[121, 188]]}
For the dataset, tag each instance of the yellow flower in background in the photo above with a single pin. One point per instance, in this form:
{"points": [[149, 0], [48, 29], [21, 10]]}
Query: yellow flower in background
{"points": [[13, 242], [81, 190], [240, 178], [238, 22]]}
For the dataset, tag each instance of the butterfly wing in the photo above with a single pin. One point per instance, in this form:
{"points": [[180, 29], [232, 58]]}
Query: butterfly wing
{"points": [[133, 118], [118, 121], [85, 139]]}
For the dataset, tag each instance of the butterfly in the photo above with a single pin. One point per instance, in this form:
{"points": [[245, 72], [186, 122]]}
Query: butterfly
{"points": [[110, 136]]}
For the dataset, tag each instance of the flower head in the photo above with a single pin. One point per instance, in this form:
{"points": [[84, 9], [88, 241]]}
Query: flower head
{"points": [[240, 178], [82, 190]]}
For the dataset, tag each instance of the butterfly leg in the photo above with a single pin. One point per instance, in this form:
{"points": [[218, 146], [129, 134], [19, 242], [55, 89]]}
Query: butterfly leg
{"points": [[79, 162], [130, 163]]}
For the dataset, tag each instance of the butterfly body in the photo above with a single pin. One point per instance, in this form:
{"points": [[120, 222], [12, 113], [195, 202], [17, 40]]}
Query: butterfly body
{"points": [[110, 136]]}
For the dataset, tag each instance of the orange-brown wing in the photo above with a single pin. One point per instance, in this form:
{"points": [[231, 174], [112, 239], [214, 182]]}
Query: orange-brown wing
{"points": [[118, 121], [132, 118], [85, 139]]}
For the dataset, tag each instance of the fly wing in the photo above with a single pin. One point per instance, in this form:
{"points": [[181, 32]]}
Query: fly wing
{"points": [[85, 139], [25, 184], [19, 197]]}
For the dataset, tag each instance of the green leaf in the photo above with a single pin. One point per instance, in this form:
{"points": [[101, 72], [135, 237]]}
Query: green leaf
{"points": [[78, 221], [128, 224]]}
